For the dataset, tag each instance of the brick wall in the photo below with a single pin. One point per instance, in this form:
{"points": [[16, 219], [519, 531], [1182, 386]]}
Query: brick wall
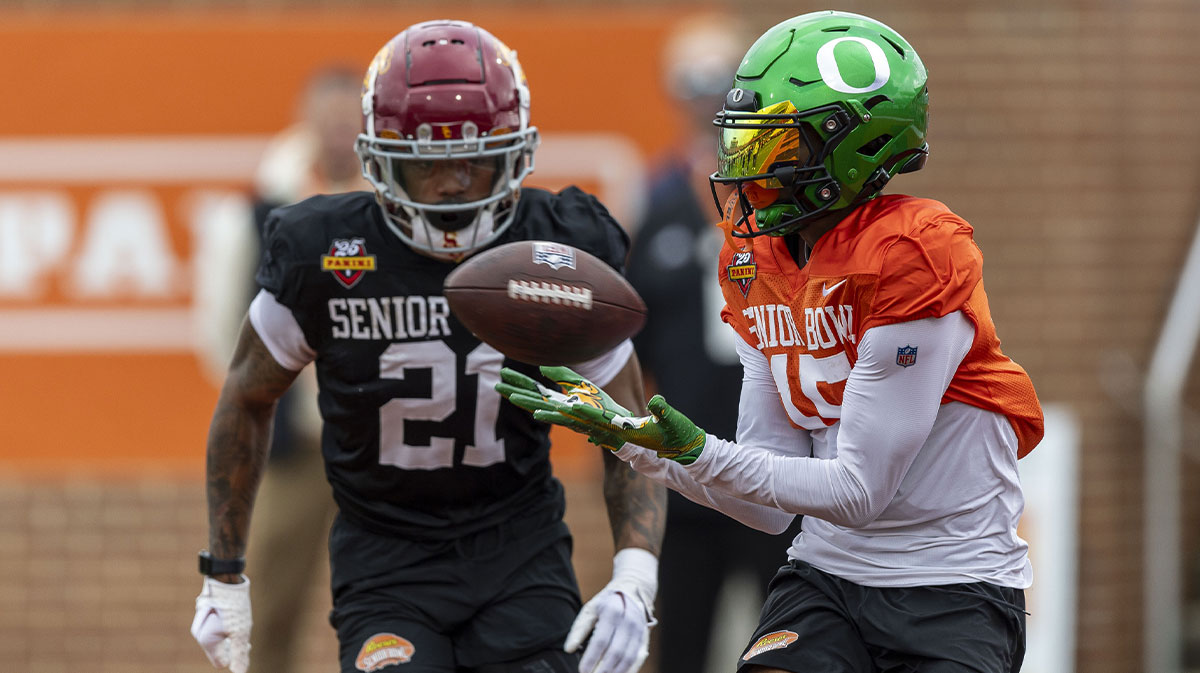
{"points": [[1059, 130], [101, 575], [1064, 131]]}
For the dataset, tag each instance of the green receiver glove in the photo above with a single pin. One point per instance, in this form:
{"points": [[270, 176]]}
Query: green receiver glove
{"points": [[585, 408]]}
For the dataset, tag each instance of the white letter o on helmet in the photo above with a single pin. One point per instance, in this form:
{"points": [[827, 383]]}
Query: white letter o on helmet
{"points": [[832, 76]]}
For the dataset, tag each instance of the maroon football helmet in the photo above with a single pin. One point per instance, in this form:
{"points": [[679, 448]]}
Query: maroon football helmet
{"points": [[446, 91]]}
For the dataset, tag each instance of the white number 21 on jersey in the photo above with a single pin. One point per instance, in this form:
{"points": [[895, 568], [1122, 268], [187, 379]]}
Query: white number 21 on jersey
{"points": [[484, 361]]}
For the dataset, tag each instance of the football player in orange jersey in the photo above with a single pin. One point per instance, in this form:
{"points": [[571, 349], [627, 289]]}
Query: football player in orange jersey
{"points": [[875, 401]]}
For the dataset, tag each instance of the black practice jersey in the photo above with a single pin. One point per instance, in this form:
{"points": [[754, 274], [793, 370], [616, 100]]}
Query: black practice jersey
{"points": [[416, 440]]}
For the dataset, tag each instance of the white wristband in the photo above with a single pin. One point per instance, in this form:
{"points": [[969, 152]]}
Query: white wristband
{"points": [[637, 562], [637, 569]]}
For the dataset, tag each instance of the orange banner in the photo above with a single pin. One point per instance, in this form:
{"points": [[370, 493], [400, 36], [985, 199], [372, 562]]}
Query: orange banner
{"points": [[123, 137]]}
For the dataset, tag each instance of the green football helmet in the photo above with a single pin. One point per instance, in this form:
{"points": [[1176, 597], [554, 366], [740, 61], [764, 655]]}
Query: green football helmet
{"points": [[825, 108]]}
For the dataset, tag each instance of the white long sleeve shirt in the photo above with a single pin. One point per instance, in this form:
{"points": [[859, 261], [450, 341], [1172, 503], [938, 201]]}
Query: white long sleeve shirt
{"points": [[901, 491]]}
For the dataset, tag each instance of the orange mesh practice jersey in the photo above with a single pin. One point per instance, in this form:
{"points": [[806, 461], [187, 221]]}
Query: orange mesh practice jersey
{"points": [[894, 259]]}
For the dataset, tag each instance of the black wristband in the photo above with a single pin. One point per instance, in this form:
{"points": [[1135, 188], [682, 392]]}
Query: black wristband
{"points": [[220, 566]]}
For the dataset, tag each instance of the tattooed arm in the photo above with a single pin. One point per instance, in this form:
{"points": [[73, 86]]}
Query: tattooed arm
{"points": [[637, 507], [238, 442], [616, 622]]}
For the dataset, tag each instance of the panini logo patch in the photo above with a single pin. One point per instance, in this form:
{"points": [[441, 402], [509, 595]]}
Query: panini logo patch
{"points": [[383, 649], [771, 641], [906, 356], [742, 270], [554, 255], [348, 260]]}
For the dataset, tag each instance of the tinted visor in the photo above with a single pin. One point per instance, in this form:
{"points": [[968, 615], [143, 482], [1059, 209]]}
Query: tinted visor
{"points": [[751, 143]]}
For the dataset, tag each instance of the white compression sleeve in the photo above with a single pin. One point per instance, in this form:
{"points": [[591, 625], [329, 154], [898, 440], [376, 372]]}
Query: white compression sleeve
{"points": [[280, 332], [675, 477], [757, 426], [887, 412]]}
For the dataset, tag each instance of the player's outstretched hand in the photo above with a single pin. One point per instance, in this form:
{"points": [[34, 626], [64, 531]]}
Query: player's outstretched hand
{"points": [[576, 392], [584, 407], [222, 623]]}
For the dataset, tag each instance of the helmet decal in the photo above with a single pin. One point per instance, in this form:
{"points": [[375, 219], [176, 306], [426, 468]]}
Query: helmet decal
{"points": [[832, 76]]}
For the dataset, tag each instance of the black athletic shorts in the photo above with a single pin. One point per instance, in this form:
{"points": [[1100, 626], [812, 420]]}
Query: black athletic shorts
{"points": [[814, 622], [503, 594]]}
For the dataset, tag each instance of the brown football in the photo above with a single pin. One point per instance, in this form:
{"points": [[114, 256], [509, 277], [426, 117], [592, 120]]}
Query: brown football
{"points": [[544, 303]]}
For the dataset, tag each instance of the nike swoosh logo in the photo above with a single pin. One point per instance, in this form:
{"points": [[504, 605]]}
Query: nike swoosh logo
{"points": [[826, 290]]}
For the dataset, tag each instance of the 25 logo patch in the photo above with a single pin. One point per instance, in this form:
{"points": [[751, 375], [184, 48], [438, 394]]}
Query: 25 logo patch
{"points": [[742, 270], [348, 260]]}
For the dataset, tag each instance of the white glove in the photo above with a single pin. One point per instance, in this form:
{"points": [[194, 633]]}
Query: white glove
{"points": [[222, 623], [618, 618]]}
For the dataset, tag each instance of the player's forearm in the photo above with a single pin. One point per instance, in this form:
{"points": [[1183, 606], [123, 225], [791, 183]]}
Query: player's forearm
{"points": [[637, 507], [238, 442], [676, 477]]}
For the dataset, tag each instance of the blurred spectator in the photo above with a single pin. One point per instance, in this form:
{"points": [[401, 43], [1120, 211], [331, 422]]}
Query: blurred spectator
{"points": [[689, 355], [294, 508]]}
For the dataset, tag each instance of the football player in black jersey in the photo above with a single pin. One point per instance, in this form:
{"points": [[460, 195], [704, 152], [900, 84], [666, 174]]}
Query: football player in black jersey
{"points": [[449, 553]]}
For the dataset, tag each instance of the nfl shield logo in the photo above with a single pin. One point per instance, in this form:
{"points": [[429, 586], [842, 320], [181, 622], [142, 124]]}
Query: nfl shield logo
{"points": [[554, 255], [906, 356]]}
